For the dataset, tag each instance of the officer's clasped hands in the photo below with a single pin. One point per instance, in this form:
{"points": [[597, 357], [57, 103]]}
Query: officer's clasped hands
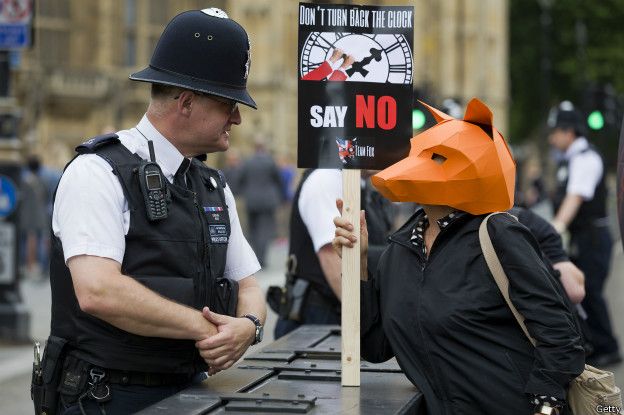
{"points": [[223, 349]]}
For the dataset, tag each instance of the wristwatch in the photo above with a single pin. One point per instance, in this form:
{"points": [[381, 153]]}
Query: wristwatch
{"points": [[547, 410], [259, 327]]}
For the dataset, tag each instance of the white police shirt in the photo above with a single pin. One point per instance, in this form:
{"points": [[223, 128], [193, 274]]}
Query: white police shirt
{"points": [[91, 215], [317, 205], [585, 169]]}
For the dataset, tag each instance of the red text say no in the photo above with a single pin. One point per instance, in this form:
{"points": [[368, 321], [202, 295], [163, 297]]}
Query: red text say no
{"points": [[373, 113]]}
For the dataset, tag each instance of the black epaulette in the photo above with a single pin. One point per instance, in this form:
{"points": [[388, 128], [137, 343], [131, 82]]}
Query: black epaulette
{"points": [[99, 141]]}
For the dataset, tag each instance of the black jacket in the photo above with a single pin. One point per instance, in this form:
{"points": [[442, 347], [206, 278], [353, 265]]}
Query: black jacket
{"points": [[547, 237], [451, 331]]}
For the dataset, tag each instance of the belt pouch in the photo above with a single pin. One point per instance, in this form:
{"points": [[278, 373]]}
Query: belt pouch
{"points": [[224, 298], [45, 393], [297, 298], [73, 378], [276, 298]]}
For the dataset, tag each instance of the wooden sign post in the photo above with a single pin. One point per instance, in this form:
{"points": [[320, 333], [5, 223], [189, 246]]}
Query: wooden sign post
{"points": [[354, 112], [351, 282]]}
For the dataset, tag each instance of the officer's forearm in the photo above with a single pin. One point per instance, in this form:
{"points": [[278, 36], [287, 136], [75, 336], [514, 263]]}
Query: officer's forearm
{"points": [[105, 293], [141, 311], [573, 280], [251, 299], [331, 266], [568, 210]]}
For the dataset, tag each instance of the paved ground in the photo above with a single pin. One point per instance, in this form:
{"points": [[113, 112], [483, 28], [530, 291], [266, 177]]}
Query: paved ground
{"points": [[16, 361]]}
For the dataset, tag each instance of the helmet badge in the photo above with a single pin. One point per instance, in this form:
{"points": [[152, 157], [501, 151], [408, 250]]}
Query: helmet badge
{"points": [[248, 62], [215, 12]]}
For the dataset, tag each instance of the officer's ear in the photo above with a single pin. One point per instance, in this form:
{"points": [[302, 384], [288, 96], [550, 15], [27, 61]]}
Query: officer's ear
{"points": [[185, 102]]}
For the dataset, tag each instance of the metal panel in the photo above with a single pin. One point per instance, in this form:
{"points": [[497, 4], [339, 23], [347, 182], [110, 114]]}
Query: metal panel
{"points": [[273, 356], [303, 379], [309, 375], [185, 403], [264, 403], [307, 336]]}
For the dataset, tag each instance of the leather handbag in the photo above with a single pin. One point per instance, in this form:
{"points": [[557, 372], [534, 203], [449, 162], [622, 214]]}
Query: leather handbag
{"points": [[591, 390]]}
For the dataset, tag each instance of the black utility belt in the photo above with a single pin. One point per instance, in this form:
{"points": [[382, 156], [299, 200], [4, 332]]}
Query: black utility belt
{"points": [[83, 380], [315, 298], [590, 224], [77, 374], [146, 378]]}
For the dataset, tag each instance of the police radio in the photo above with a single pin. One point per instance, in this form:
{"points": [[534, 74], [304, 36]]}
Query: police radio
{"points": [[155, 191]]}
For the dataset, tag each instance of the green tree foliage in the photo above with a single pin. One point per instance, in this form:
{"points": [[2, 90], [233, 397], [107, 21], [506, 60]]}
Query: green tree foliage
{"points": [[560, 57]]}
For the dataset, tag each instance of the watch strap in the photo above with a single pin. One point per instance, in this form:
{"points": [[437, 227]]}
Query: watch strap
{"points": [[258, 325], [546, 410]]}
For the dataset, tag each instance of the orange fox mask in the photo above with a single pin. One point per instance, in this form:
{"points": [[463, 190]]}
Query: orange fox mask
{"points": [[465, 164]]}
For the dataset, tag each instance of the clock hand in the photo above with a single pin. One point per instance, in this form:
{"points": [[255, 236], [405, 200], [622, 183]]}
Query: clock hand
{"points": [[359, 66]]}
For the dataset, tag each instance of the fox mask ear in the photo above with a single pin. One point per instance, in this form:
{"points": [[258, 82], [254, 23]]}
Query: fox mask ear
{"points": [[479, 114], [437, 114], [476, 113]]}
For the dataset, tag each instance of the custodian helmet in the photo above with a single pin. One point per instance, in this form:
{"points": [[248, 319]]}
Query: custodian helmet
{"points": [[565, 116], [202, 50]]}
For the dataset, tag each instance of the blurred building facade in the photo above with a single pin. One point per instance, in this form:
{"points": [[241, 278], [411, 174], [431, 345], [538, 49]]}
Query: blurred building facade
{"points": [[73, 83]]}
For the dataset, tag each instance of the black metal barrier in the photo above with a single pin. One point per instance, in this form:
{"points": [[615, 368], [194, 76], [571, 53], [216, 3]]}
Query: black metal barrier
{"points": [[299, 373]]}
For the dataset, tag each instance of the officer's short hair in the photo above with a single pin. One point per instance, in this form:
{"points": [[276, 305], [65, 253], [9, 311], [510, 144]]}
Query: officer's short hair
{"points": [[164, 91]]}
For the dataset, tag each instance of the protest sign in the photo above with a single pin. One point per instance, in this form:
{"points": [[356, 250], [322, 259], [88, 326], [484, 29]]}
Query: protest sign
{"points": [[355, 85]]}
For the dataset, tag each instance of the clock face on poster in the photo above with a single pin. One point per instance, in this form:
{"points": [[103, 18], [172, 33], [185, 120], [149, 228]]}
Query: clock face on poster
{"points": [[379, 58]]}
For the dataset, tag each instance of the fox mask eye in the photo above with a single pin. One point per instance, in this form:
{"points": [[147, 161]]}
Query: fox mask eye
{"points": [[438, 158]]}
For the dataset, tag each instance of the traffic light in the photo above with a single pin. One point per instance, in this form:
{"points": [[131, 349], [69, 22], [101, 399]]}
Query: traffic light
{"points": [[602, 118], [602, 108], [418, 119], [595, 120]]}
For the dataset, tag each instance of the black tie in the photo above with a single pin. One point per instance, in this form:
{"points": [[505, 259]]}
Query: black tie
{"points": [[178, 178]]}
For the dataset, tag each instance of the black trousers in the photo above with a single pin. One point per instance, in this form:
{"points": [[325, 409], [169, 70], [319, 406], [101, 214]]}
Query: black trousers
{"points": [[592, 249], [125, 399]]}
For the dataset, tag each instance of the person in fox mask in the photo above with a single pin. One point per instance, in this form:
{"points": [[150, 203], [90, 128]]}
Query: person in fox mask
{"points": [[433, 303]]}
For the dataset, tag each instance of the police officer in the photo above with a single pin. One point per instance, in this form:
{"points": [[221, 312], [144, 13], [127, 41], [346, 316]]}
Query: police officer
{"points": [[317, 266], [580, 206], [141, 250]]}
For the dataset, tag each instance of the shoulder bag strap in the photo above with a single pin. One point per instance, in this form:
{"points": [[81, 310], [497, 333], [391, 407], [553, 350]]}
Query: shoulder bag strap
{"points": [[497, 271]]}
